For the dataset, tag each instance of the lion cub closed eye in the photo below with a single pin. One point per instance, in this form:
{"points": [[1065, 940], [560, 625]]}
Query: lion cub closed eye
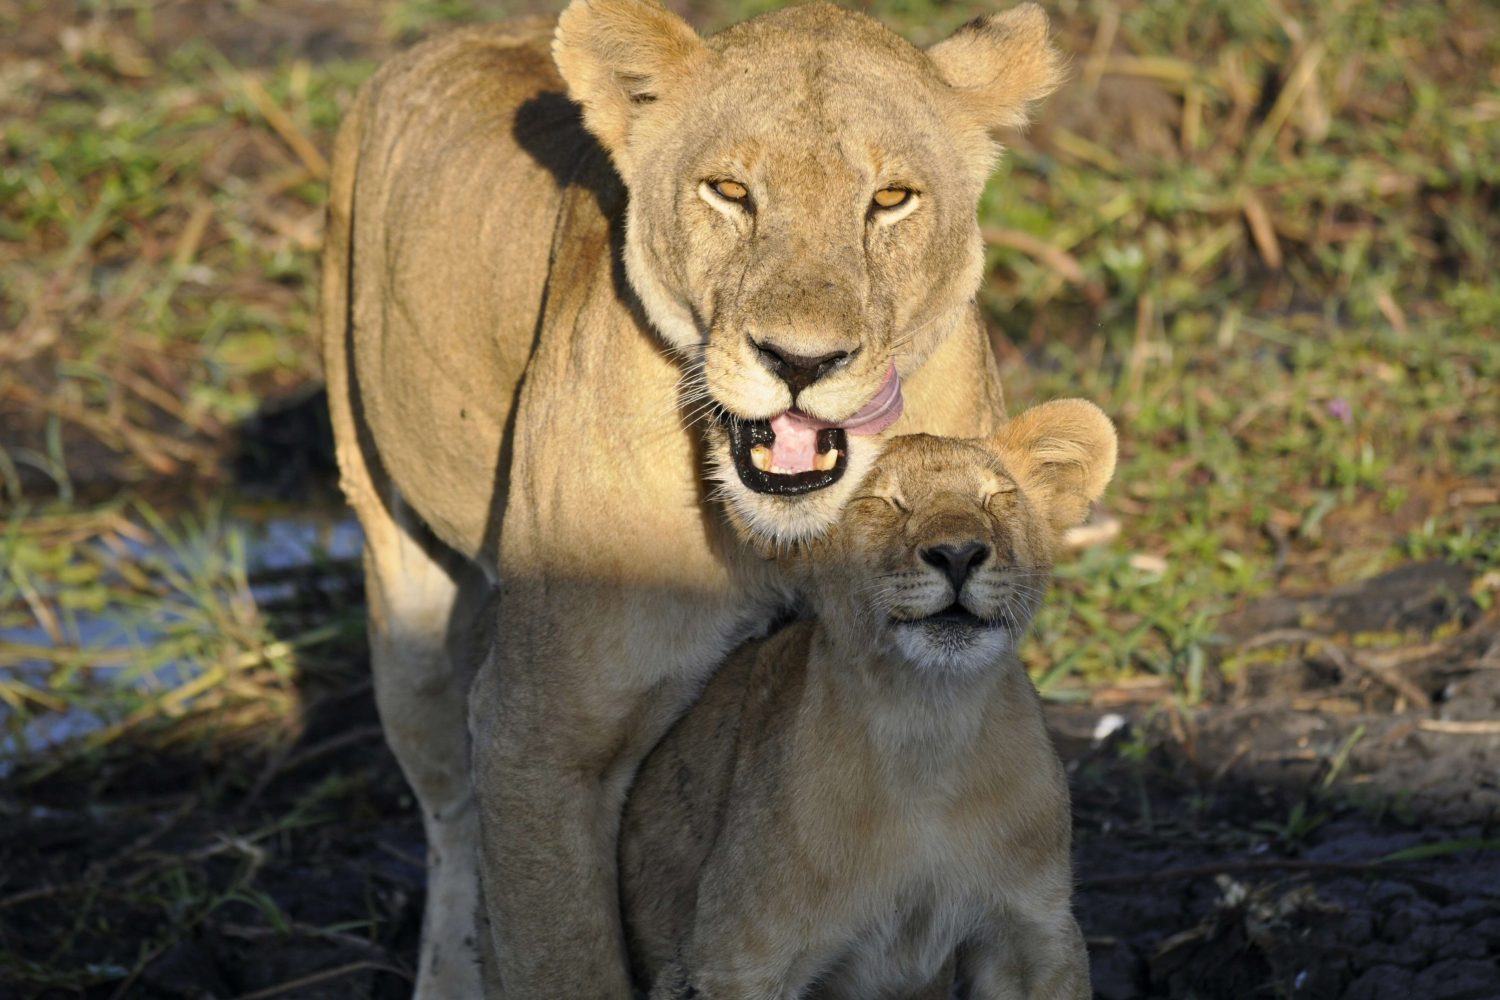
{"points": [[867, 799]]}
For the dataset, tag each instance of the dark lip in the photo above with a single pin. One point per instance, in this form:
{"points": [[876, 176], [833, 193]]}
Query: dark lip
{"points": [[956, 614], [746, 434]]}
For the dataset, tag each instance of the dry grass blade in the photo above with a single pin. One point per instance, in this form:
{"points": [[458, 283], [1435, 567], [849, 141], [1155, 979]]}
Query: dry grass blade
{"points": [[1098, 530], [1301, 77], [192, 233], [1064, 263], [1161, 68], [1262, 230], [1103, 40], [1461, 727], [1252, 865], [1349, 663], [285, 127]]}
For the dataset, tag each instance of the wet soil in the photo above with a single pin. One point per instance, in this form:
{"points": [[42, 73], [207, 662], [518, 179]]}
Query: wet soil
{"points": [[1311, 833], [1329, 828], [1204, 875], [219, 870]]}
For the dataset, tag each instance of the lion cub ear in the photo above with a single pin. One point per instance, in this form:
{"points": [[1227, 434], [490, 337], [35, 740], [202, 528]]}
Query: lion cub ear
{"points": [[1002, 64], [617, 56], [1063, 453]]}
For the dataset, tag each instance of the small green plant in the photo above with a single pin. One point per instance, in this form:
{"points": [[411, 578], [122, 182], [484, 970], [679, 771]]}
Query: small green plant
{"points": [[1302, 819]]}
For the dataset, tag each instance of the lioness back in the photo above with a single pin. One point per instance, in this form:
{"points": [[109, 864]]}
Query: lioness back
{"points": [[468, 153]]}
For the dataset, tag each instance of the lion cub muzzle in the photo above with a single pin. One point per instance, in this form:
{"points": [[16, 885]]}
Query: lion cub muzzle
{"points": [[947, 547], [961, 599]]}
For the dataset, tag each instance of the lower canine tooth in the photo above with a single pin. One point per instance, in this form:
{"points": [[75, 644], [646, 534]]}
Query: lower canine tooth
{"points": [[826, 460], [760, 457]]}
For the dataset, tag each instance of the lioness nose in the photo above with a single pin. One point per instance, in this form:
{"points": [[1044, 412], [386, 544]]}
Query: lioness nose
{"points": [[956, 561], [798, 371]]}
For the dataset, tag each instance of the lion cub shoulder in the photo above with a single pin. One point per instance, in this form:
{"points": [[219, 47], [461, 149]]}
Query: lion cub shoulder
{"points": [[867, 794]]}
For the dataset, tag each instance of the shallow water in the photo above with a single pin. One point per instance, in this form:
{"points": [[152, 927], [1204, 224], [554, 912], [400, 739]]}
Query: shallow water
{"points": [[236, 562]]}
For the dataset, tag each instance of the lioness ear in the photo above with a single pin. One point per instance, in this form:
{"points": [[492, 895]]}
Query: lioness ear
{"points": [[616, 56], [1063, 453], [1001, 64]]}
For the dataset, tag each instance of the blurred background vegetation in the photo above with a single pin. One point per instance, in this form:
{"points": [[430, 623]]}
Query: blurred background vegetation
{"points": [[1262, 234]]}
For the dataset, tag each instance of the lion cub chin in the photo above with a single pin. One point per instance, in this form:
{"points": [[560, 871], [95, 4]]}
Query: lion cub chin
{"points": [[866, 801]]}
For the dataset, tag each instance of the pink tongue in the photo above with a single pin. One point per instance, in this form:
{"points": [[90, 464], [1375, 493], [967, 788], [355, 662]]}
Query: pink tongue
{"points": [[796, 444], [796, 433]]}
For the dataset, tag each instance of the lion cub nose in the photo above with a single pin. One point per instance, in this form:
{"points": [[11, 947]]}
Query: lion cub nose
{"points": [[798, 371], [956, 561]]}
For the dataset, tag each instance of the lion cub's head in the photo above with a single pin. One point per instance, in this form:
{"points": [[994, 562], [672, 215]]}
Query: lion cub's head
{"points": [[802, 216], [943, 555]]}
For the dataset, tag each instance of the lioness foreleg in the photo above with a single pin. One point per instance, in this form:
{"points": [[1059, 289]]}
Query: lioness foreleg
{"points": [[561, 719], [422, 602]]}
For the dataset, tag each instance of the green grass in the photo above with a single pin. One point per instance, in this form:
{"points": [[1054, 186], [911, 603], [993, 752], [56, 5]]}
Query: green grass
{"points": [[1268, 238], [1281, 291]]}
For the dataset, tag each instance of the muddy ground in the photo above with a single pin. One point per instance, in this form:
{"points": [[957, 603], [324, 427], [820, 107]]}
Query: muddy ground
{"points": [[1326, 828]]}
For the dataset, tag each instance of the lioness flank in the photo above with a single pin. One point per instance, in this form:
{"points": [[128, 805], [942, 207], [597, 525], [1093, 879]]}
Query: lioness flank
{"points": [[863, 798]]}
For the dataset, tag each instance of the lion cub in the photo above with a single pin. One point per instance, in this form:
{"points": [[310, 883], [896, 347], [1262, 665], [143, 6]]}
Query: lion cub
{"points": [[863, 799]]}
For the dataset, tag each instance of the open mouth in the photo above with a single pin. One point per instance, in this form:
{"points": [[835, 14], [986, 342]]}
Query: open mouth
{"points": [[794, 453], [782, 462]]}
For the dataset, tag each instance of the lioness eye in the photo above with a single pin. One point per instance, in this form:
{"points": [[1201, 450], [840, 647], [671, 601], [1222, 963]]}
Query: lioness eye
{"points": [[891, 197], [731, 190]]}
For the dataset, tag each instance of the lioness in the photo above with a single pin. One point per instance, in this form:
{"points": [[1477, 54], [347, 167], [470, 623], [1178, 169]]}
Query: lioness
{"points": [[861, 795], [580, 276]]}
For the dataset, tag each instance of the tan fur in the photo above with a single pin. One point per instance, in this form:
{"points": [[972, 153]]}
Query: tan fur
{"points": [[849, 804], [528, 309]]}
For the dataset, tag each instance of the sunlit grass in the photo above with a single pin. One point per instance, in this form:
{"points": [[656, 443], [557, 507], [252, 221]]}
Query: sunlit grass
{"points": [[1278, 249]]}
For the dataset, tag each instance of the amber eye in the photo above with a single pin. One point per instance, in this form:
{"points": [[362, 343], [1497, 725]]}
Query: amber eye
{"points": [[731, 190], [891, 197]]}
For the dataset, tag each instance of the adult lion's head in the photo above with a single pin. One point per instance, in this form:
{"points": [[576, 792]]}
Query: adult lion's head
{"points": [[801, 225]]}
